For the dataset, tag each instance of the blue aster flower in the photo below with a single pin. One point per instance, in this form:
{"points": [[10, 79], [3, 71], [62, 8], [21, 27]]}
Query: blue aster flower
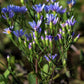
{"points": [[59, 35], [28, 37], [34, 36], [73, 34], [19, 33], [36, 26], [11, 9], [50, 56], [50, 37], [51, 18], [11, 13], [57, 8], [38, 8], [46, 38], [4, 16], [42, 38], [17, 9], [71, 21], [51, 0], [55, 38], [23, 9], [30, 45], [4, 10], [72, 2], [55, 20], [63, 24], [47, 8], [7, 31]]}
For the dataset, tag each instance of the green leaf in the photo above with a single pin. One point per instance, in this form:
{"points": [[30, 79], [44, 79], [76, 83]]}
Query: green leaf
{"points": [[6, 73], [45, 68], [2, 79], [32, 13], [31, 78]]}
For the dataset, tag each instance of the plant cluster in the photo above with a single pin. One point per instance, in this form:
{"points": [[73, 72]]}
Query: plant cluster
{"points": [[44, 40]]}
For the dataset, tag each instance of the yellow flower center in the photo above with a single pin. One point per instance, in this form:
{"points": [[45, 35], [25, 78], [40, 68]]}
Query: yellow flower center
{"points": [[8, 32]]}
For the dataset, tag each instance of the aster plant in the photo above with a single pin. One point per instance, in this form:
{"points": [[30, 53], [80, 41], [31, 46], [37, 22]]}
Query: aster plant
{"points": [[45, 40]]}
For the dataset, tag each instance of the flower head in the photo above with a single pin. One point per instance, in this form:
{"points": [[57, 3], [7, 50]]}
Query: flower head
{"points": [[42, 38], [28, 37], [71, 21], [60, 36], [50, 37], [50, 57], [55, 38], [71, 2], [57, 8], [30, 45], [35, 26], [19, 33], [17, 9], [11, 9], [38, 8], [4, 10], [47, 8], [11, 14], [51, 18], [7, 31], [51, 0]]}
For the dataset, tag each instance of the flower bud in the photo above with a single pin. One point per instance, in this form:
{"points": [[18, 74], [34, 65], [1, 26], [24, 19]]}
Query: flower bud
{"points": [[46, 39], [25, 43], [76, 38]]}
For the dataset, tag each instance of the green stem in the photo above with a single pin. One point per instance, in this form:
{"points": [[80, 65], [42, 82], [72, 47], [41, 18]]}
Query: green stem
{"points": [[36, 62]]}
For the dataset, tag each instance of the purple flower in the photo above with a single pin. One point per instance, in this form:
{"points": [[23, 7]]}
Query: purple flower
{"points": [[34, 35], [11, 14], [11, 27], [7, 31], [28, 37], [19, 33], [51, 0], [42, 38], [73, 34], [36, 26], [23, 9], [55, 38], [72, 2], [4, 16], [78, 35], [63, 24], [53, 56], [50, 57], [46, 38], [59, 35], [30, 44], [57, 8], [4, 10], [38, 8], [11, 9], [47, 8], [46, 58], [55, 20], [51, 18], [17, 9], [60, 31], [71, 21], [50, 37]]}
